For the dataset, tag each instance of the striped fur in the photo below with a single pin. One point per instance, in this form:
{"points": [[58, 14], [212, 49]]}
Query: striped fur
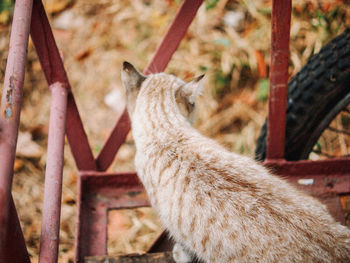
{"points": [[220, 206]]}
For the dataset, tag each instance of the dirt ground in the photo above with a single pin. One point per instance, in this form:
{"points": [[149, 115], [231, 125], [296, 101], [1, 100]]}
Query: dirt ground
{"points": [[228, 42]]}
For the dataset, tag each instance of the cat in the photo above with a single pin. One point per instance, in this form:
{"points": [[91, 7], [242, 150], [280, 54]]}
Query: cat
{"points": [[219, 206]]}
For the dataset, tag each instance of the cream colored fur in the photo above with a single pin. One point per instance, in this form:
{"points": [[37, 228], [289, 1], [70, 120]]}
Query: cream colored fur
{"points": [[221, 206]]}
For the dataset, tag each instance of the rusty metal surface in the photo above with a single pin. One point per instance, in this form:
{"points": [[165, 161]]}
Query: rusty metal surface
{"points": [[322, 184], [54, 71], [326, 188], [77, 138], [308, 167], [98, 193], [280, 27], [165, 257], [115, 140], [10, 109], [50, 224], [324, 179]]}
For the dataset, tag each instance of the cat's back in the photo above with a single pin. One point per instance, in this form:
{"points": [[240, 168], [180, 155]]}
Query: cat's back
{"points": [[231, 209]]}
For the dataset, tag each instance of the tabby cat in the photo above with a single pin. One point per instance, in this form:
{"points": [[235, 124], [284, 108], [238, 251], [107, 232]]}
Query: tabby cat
{"points": [[217, 205]]}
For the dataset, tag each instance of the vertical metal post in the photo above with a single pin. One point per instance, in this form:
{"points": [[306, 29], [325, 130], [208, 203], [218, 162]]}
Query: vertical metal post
{"points": [[11, 107], [50, 224], [280, 29]]}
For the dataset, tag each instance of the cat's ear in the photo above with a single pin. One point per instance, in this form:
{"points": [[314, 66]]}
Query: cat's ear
{"points": [[193, 88], [132, 79]]}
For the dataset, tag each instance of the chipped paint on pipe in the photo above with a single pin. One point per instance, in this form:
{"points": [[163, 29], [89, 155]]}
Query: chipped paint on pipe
{"points": [[11, 107], [50, 225]]}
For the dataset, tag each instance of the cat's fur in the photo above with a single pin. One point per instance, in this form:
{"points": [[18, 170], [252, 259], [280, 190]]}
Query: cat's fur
{"points": [[220, 206]]}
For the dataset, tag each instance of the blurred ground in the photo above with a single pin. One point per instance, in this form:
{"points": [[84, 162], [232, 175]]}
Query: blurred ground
{"points": [[228, 41]]}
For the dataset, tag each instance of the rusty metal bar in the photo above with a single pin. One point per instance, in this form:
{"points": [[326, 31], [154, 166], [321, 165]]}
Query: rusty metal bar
{"points": [[321, 184], [338, 166], [15, 247], [160, 60], [280, 28], [54, 71], [77, 138], [11, 107], [115, 140], [50, 224], [173, 37]]}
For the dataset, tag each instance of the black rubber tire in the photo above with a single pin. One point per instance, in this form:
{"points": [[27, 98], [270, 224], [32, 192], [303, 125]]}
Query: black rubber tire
{"points": [[314, 96]]}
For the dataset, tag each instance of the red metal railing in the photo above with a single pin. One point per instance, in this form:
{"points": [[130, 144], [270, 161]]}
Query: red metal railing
{"points": [[98, 192]]}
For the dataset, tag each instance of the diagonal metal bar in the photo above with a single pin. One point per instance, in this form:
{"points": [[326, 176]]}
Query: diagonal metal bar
{"points": [[160, 60], [280, 28], [173, 37], [11, 107], [15, 247], [115, 140], [54, 71], [77, 138]]}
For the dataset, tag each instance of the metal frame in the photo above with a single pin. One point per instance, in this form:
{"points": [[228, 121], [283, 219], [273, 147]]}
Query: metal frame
{"points": [[322, 172], [98, 191]]}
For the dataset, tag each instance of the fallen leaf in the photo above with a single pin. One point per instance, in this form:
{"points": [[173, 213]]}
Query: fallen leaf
{"points": [[83, 54], [18, 165], [262, 69]]}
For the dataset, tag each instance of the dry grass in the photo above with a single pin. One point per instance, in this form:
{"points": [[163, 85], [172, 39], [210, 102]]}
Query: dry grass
{"points": [[97, 36], [334, 141], [132, 230]]}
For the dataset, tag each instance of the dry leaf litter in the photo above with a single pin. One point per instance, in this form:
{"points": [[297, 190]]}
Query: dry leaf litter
{"points": [[228, 41]]}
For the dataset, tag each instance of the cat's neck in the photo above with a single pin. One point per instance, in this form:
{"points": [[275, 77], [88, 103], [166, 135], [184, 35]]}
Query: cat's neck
{"points": [[157, 111]]}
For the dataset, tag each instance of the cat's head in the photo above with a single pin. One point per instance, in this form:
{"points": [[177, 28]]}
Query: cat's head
{"points": [[185, 95]]}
